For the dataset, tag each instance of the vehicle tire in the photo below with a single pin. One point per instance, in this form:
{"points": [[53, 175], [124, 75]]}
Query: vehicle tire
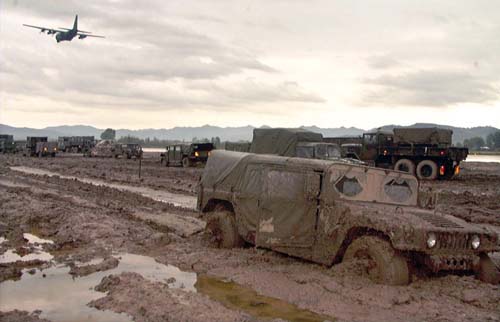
{"points": [[427, 170], [488, 272], [40, 154], [384, 264], [405, 165], [53, 155], [186, 163], [222, 231]]}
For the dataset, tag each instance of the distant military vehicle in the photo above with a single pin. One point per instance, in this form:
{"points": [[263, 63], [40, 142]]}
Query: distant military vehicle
{"points": [[425, 152], [7, 144], [39, 146], [131, 150], [237, 146], [106, 149], [76, 144], [327, 212], [187, 155], [288, 142]]}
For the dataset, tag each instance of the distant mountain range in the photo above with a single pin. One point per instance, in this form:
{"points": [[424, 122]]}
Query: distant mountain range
{"points": [[243, 133]]}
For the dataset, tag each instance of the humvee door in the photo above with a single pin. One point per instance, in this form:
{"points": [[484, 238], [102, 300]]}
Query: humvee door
{"points": [[288, 208]]}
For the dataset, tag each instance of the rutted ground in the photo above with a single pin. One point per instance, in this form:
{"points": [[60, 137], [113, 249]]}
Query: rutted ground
{"points": [[87, 222]]}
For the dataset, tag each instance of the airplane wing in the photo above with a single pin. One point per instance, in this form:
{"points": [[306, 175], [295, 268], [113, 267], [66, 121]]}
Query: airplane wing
{"points": [[45, 29], [82, 36]]}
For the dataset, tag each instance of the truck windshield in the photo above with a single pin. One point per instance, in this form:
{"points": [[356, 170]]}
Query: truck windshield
{"points": [[327, 151]]}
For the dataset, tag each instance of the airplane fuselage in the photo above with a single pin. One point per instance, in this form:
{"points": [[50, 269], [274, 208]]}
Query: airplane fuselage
{"points": [[66, 36]]}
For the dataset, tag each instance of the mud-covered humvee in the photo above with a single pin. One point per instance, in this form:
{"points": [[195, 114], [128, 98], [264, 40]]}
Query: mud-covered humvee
{"points": [[327, 211]]}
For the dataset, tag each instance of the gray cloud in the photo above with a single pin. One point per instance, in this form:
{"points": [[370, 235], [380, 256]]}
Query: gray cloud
{"points": [[139, 50], [385, 61], [432, 88]]}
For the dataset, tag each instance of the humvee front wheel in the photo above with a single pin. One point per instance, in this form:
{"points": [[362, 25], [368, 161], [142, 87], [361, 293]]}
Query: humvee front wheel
{"points": [[488, 271], [222, 231], [380, 260], [186, 163]]}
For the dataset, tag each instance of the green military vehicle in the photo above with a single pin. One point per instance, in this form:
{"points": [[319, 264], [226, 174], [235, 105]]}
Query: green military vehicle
{"points": [[328, 212], [7, 144], [40, 146], [187, 155], [131, 150], [76, 144], [288, 142], [424, 152]]}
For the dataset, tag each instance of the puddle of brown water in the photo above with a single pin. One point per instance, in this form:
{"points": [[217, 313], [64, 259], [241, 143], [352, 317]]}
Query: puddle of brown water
{"points": [[237, 297], [177, 200], [61, 297]]}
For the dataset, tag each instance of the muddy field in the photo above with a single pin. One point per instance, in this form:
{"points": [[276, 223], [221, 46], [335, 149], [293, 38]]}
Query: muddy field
{"points": [[115, 247]]}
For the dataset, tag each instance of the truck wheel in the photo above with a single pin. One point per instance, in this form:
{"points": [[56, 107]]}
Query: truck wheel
{"points": [[427, 170], [222, 231], [488, 272], [380, 260], [405, 165], [186, 163]]}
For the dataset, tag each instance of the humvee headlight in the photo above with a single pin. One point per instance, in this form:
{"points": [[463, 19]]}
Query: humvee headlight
{"points": [[431, 240], [196, 154], [475, 242]]}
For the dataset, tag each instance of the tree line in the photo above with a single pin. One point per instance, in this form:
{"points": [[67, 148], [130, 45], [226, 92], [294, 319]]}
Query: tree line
{"points": [[492, 142]]}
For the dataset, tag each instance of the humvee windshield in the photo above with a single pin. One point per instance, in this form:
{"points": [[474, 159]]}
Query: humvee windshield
{"points": [[370, 184]]}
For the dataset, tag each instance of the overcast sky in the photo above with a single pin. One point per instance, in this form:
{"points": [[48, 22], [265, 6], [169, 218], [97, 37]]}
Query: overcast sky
{"points": [[232, 63]]}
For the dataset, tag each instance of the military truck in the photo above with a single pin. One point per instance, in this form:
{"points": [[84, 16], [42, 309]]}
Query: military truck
{"points": [[425, 152], [328, 212], [76, 144], [187, 155], [39, 146], [7, 144], [288, 142], [131, 150]]}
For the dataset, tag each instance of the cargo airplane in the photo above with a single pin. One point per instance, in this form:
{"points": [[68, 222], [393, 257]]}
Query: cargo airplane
{"points": [[63, 34]]}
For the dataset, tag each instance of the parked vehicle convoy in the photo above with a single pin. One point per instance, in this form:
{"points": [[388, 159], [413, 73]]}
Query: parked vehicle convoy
{"points": [[40, 146], [187, 155], [328, 212], [131, 150], [424, 152], [7, 144], [76, 144]]}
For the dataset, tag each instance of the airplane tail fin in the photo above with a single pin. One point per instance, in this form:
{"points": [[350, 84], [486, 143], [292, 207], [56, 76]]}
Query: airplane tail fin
{"points": [[75, 24]]}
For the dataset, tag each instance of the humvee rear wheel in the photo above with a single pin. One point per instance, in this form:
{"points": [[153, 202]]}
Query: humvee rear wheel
{"points": [[186, 163], [405, 165], [379, 260], [222, 231], [488, 271]]}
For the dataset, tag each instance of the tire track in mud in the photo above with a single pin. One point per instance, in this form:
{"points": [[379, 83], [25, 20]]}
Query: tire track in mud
{"points": [[178, 200]]}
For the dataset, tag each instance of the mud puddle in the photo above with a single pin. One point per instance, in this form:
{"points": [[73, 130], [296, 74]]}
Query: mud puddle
{"points": [[177, 200], [61, 297], [10, 256], [238, 297]]}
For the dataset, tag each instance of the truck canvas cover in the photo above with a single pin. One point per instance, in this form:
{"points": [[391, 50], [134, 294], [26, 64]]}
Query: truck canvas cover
{"points": [[432, 135], [281, 141]]}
